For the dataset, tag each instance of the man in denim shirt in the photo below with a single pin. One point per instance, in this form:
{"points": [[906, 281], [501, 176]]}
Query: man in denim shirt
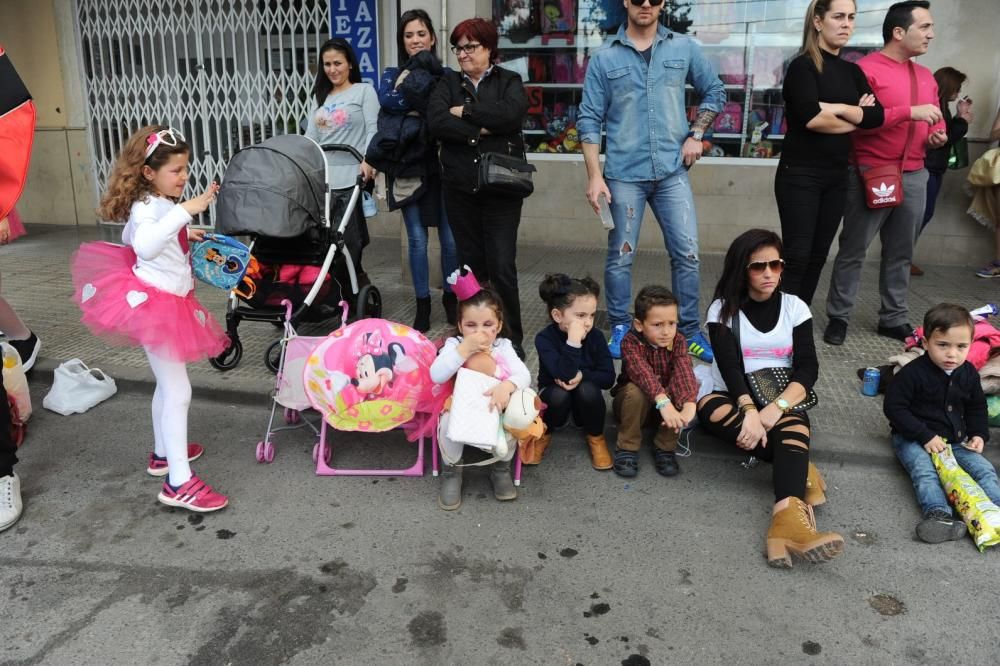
{"points": [[635, 90]]}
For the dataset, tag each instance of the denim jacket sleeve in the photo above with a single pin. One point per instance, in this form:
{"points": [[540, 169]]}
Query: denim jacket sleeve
{"points": [[594, 104], [705, 81]]}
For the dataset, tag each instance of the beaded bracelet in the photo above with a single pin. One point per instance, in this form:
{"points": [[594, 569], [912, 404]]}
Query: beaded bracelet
{"points": [[660, 404]]}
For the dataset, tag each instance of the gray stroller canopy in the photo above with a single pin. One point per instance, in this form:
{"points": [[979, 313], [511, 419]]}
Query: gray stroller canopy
{"points": [[274, 188]]}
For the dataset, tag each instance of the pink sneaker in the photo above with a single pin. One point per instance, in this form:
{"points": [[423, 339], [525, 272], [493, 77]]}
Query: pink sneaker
{"points": [[158, 466], [195, 495]]}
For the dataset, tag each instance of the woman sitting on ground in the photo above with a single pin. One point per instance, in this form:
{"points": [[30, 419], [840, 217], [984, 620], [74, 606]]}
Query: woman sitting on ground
{"points": [[753, 325]]}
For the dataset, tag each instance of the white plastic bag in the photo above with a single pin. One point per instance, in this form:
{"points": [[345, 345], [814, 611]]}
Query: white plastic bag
{"points": [[471, 421], [16, 385], [76, 388]]}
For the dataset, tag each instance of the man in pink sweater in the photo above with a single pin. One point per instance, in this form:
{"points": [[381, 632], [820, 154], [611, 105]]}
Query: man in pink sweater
{"points": [[907, 31]]}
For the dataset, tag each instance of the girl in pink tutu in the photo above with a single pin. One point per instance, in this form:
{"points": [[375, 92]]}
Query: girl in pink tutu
{"points": [[142, 293]]}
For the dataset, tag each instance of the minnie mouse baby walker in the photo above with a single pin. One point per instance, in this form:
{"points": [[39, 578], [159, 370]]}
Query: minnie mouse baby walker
{"points": [[277, 193]]}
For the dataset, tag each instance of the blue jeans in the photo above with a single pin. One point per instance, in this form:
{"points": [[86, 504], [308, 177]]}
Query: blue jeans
{"points": [[673, 207], [416, 236], [927, 484]]}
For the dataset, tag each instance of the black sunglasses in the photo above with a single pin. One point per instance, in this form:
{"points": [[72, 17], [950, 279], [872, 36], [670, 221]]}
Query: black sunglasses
{"points": [[652, 3], [776, 266]]}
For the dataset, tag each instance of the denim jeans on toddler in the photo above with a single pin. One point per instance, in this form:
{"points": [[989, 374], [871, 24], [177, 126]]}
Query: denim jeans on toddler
{"points": [[927, 484]]}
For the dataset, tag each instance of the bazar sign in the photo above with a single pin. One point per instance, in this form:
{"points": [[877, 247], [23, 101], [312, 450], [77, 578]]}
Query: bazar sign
{"points": [[357, 22]]}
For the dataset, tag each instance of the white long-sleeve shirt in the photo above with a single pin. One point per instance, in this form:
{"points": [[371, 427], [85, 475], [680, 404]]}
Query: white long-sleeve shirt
{"points": [[449, 361], [152, 231]]}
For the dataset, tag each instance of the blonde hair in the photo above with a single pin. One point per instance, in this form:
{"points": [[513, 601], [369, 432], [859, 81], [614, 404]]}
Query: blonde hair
{"points": [[810, 36], [127, 184]]}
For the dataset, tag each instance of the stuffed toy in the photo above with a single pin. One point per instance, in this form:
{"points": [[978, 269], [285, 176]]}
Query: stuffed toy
{"points": [[522, 418]]}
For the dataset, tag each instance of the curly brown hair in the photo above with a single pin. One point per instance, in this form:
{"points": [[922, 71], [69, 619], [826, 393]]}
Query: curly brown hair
{"points": [[127, 183]]}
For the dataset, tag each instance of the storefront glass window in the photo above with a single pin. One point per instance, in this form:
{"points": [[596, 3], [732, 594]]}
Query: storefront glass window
{"points": [[749, 41]]}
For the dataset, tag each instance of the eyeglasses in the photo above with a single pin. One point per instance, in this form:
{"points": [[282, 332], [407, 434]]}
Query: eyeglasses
{"points": [[469, 48], [168, 137], [776, 266], [652, 3]]}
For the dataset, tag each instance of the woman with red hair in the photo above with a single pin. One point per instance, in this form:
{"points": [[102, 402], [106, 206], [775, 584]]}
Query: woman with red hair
{"points": [[480, 110]]}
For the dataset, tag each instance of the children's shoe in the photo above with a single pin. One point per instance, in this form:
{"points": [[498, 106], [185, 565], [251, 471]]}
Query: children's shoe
{"points": [[700, 348], [666, 463], [626, 463], [450, 493], [27, 349], [617, 335], [600, 457], [503, 485], [195, 495], [938, 526], [10, 500], [533, 448], [990, 270], [158, 466]]}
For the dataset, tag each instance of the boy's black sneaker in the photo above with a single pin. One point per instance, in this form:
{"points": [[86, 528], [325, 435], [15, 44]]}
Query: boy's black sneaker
{"points": [[27, 349], [938, 527], [666, 463], [626, 463]]}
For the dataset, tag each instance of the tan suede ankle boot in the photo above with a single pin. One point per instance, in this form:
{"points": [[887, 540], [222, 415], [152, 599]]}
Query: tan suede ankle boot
{"points": [[600, 457], [533, 448], [815, 487], [793, 532]]}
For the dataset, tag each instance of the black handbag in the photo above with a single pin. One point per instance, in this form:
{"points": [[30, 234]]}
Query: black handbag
{"points": [[767, 384], [505, 174]]}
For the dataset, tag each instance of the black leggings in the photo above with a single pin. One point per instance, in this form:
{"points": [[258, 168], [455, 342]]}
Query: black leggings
{"points": [[586, 402], [787, 448]]}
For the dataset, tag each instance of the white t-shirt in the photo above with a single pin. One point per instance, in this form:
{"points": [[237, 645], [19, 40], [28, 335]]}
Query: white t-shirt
{"points": [[763, 350], [153, 232]]}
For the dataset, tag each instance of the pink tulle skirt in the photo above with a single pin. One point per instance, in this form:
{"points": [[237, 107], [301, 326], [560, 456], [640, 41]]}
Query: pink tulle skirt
{"points": [[16, 226], [122, 309]]}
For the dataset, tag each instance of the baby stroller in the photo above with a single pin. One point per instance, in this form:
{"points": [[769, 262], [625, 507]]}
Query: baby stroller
{"points": [[370, 376], [277, 193]]}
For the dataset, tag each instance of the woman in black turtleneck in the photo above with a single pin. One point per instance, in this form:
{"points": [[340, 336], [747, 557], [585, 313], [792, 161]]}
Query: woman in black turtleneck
{"points": [[752, 326], [826, 98]]}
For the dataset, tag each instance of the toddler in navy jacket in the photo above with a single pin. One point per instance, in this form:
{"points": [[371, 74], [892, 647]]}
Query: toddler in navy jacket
{"points": [[574, 366]]}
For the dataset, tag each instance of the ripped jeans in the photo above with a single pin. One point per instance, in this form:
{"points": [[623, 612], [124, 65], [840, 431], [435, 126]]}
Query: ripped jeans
{"points": [[673, 207]]}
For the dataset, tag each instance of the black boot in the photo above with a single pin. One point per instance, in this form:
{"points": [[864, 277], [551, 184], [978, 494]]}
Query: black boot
{"points": [[450, 303], [422, 320]]}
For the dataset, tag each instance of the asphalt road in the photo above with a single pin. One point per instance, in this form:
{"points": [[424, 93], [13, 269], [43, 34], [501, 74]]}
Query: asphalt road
{"points": [[583, 568]]}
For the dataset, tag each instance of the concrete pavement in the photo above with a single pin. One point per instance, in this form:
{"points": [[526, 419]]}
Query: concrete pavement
{"points": [[584, 568]]}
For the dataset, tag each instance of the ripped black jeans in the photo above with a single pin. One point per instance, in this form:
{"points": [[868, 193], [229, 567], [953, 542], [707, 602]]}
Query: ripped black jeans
{"points": [[787, 445]]}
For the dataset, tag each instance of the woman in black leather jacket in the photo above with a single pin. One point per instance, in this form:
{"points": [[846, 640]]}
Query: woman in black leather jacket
{"points": [[479, 110]]}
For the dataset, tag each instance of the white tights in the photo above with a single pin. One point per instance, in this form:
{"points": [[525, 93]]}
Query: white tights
{"points": [[171, 400]]}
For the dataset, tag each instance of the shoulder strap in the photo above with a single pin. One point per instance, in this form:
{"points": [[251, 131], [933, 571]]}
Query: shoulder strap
{"points": [[734, 326]]}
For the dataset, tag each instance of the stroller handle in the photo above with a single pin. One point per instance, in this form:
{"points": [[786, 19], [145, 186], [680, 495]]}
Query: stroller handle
{"points": [[343, 148]]}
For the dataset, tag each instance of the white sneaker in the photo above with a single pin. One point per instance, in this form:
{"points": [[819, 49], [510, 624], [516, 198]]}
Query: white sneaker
{"points": [[10, 501]]}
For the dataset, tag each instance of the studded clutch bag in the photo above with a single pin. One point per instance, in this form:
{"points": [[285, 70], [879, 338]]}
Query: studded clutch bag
{"points": [[767, 384]]}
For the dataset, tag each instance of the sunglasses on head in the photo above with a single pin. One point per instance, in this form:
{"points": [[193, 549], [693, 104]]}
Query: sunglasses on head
{"points": [[168, 137], [652, 3], [776, 266]]}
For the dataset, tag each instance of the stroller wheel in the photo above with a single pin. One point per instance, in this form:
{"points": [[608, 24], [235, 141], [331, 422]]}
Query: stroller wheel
{"points": [[272, 357], [230, 358], [292, 416], [327, 454], [265, 452], [369, 303]]}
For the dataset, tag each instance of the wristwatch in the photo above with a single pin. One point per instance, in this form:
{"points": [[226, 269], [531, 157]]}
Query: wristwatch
{"points": [[783, 405], [696, 134]]}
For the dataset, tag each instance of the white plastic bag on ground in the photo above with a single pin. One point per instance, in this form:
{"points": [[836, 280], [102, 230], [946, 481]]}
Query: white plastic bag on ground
{"points": [[76, 388]]}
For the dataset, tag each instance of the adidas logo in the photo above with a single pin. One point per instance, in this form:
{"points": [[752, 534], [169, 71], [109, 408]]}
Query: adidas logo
{"points": [[884, 193]]}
